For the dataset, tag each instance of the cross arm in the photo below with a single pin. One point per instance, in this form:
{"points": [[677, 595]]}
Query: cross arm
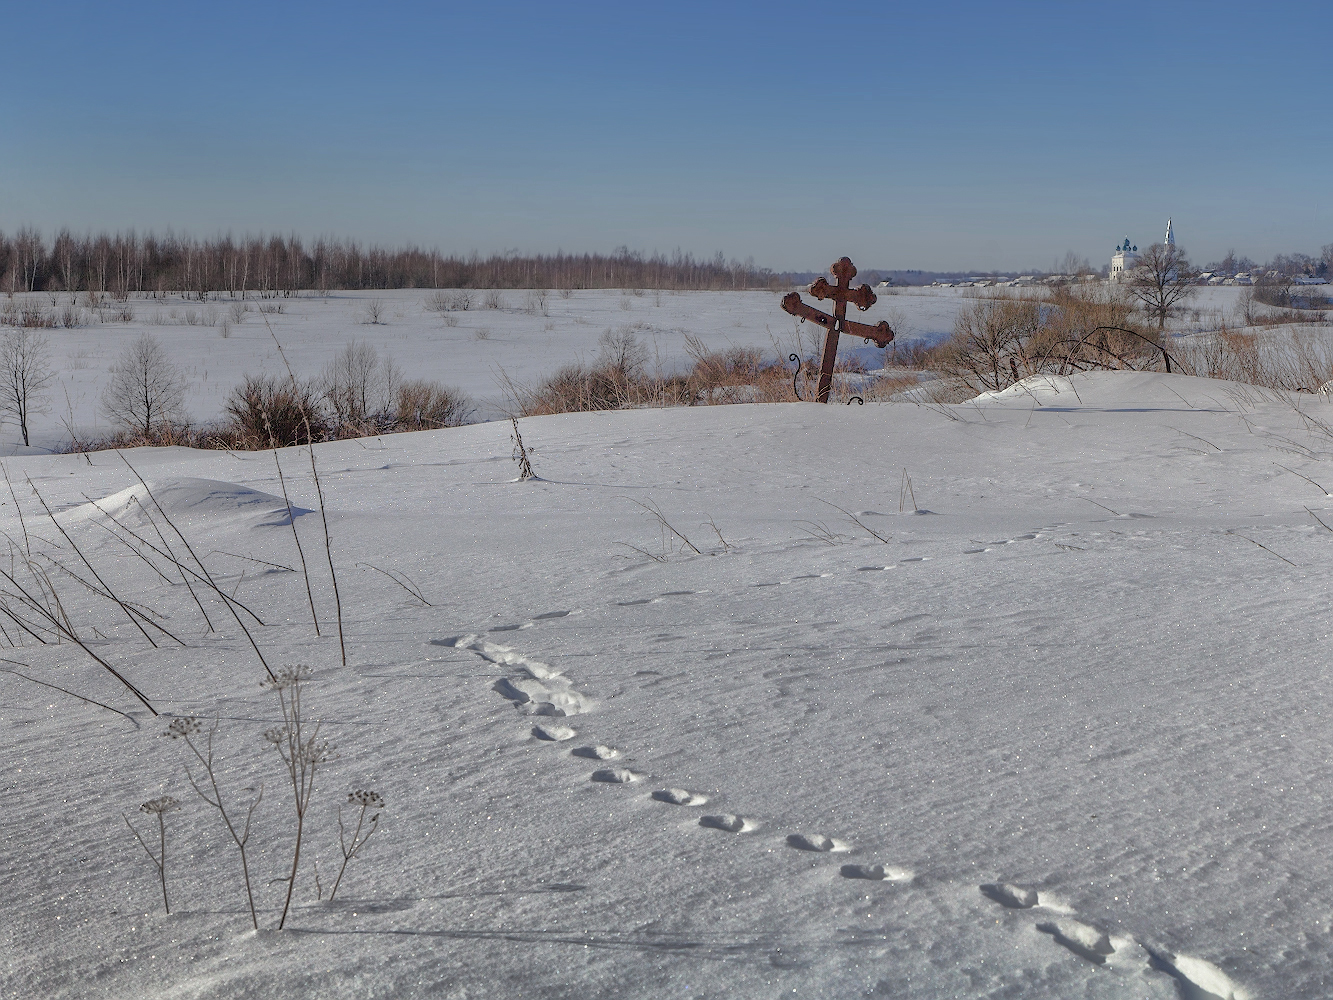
{"points": [[881, 333], [863, 297], [791, 303]]}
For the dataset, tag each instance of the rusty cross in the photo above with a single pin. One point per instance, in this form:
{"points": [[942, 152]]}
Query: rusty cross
{"points": [[841, 293]]}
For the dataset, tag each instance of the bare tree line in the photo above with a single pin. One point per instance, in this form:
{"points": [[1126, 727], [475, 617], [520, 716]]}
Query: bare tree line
{"points": [[121, 264]]}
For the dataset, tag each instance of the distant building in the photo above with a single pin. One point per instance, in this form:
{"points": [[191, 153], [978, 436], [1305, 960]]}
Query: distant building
{"points": [[1125, 258]]}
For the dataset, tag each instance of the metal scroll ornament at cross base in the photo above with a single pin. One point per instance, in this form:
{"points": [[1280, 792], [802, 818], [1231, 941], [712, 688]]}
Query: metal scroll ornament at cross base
{"points": [[841, 293]]}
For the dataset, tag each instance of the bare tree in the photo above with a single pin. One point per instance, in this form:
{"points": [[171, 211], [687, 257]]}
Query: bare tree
{"points": [[146, 389], [25, 372], [1162, 279], [359, 384]]}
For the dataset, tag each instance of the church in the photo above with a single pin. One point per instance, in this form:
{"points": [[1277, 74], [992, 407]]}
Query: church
{"points": [[1125, 257]]}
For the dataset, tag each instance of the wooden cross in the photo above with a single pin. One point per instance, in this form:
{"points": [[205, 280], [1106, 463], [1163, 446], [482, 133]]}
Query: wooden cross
{"points": [[841, 293]]}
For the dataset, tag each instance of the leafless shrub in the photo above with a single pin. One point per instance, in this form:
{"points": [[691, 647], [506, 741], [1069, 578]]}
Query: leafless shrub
{"points": [[70, 316], [1294, 360], [373, 312], [270, 307], [267, 410], [146, 390], [238, 311], [461, 300], [482, 333], [537, 301], [566, 293], [360, 387], [736, 375], [438, 302], [493, 299], [24, 314], [423, 404], [450, 320]]}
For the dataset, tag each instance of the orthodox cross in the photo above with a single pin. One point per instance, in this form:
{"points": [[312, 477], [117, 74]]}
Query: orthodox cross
{"points": [[841, 293]]}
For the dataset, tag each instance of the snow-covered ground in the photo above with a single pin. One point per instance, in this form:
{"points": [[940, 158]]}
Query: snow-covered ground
{"points": [[1083, 666], [516, 339]]}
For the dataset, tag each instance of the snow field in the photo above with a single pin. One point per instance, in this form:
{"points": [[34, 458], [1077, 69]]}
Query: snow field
{"points": [[470, 355], [1080, 706]]}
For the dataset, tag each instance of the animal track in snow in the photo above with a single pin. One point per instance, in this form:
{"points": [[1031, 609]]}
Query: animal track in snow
{"points": [[555, 734], [1199, 980], [615, 776], [872, 569], [915, 559], [535, 619], [877, 873], [542, 692], [816, 842], [1012, 896], [1082, 939], [680, 797], [729, 822], [598, 752], [631, 604]]}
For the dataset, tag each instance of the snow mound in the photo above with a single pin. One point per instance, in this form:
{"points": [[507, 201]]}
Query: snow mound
{"points": [[1118, 390], [189, 499]]}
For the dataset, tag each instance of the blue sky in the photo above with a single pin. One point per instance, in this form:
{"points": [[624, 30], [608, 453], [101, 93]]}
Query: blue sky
{"points": [[963, 135]]}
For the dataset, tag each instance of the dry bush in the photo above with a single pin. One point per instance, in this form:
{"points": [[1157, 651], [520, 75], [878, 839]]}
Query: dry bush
{"points": [[1000, 340], [1295, 360], [27, 315], [162, 435], [576, 388], [266, 409], [493, 300], [989, 346], [736, 375], [423, 405]]}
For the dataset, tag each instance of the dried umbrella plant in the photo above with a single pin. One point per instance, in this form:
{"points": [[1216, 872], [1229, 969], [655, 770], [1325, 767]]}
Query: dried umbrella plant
{"points": [[158, 807]]}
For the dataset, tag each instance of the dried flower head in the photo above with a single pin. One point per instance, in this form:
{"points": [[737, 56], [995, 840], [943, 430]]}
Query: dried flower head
{"points": [[370, 800], [183, 728], [277, 735], [317, 752], [287, 677], [165, 804]]}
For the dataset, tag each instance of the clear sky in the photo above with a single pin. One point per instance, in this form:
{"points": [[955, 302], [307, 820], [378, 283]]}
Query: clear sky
{"points": [[932, 135]]}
